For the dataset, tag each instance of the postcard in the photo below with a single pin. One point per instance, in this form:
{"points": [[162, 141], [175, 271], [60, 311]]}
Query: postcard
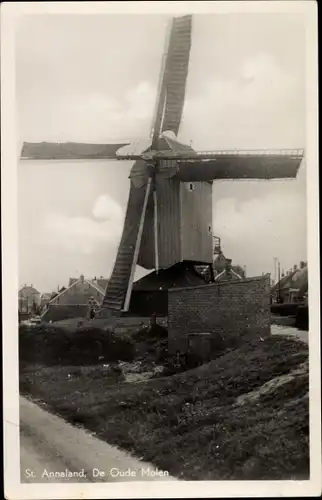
{"points": [[161, 321]]}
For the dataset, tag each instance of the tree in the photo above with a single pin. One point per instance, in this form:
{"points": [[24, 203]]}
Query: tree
{"points": [[35, 309]]}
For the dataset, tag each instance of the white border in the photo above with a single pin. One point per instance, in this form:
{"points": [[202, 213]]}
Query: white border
{"points": [[206, 489]]}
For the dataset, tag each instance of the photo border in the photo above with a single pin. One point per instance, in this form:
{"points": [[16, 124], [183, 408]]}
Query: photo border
{"points": [[10, 13]]}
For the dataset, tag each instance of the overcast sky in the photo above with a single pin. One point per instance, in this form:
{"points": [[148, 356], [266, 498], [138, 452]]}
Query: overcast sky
{"points": [[94, 79]]}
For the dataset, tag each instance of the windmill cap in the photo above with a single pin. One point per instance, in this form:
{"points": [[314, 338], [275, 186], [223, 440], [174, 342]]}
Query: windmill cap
{"points": [[169, 134]]}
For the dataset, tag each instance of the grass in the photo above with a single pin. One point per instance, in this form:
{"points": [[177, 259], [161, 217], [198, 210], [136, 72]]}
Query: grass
{"points": [[190, 423]]}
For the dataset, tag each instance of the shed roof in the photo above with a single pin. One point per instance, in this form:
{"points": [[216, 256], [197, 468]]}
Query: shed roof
{"points": [[178, 276]]}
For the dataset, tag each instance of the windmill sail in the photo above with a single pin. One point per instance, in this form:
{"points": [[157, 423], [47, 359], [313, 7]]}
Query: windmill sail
{"points": [[174, 78], [239, 166], [69, 150]]}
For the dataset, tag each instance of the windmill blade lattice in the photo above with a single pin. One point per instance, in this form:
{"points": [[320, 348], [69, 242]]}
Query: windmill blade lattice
{"points": [[242, 166], [174, 78], [69, 151]]}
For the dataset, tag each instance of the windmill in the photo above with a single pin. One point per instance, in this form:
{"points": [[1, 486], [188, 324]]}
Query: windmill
{"points": [[169, 213]]}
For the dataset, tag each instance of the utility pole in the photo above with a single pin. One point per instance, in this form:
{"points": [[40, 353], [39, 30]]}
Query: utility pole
{"points": [[275, 269], [279, 281]]}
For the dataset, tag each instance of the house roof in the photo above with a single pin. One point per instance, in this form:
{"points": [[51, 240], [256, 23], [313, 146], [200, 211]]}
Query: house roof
{"points": [[297, 279], [101, 282], [224, 275], [29, 289], [283, 283], [300, 280], [98, 288], [220, 262]]}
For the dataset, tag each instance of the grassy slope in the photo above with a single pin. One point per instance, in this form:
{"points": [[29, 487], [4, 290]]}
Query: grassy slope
{"points": [[190, 423]]}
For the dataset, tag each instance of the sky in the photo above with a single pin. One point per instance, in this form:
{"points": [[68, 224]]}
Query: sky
{"points": [[94, 78]]}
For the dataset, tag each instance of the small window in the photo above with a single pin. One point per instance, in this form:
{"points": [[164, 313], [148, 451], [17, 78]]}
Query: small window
{"points": [[209, 229], [191, 186]]}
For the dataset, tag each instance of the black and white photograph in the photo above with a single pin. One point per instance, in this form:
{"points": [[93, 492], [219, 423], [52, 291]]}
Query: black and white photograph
{"points": [[163, 266]]}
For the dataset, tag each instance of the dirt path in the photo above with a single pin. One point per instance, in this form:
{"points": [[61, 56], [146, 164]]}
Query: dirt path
{"points": [[50, 445]]}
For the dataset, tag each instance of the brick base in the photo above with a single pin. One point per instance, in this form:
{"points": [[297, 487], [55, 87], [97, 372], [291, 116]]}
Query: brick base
{"points": [[231, 311]]}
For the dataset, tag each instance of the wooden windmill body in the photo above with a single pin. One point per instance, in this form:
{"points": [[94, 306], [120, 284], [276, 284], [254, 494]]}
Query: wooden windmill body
{"points": [[169, 212]]}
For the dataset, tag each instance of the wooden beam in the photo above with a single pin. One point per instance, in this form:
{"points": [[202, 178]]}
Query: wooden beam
{"points": [[137, 246], [212, 274], [156, 246]]}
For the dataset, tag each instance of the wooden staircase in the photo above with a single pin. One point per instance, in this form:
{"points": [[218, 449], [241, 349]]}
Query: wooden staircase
{"points": [[123, 269]]}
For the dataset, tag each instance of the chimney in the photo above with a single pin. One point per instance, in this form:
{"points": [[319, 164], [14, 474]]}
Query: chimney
{"points": [[82, 278]]}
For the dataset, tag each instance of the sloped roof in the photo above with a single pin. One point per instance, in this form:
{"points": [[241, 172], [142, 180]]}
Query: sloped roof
{"points": [[297, 279], [102, 283], [284, 282], [29, 289], [98, 288], [300, 280], [220, 262], [177, 276], [227, 276]]}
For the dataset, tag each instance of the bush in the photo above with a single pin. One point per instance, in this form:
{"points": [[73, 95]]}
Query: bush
{"points": [[151, 344], [302, 318], [51, 345], [153, 332]]}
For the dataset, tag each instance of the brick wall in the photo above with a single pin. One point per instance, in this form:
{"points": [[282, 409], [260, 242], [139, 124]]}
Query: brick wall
{"points": [[227, 310]]}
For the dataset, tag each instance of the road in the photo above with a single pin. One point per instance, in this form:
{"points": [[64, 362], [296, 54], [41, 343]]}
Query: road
{"points": [[50, 446], [289, 331]]}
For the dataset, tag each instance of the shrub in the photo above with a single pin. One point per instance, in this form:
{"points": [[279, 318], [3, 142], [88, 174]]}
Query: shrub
{"points": [[153, 332], [50, 345], [151, 344]]}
